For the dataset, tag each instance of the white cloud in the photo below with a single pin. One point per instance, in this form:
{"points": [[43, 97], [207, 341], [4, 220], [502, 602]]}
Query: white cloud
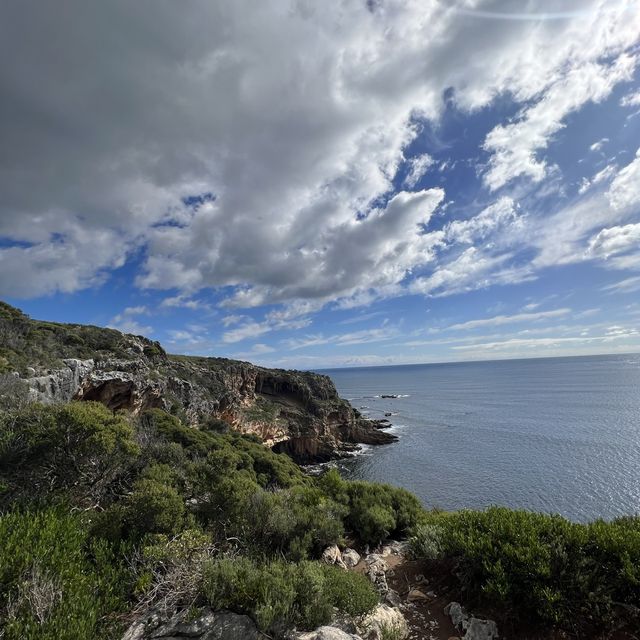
{"points": [[625, 188], [615, 240], [503, 320], [295, 117], [514, 146], [628, 285], [418, 166], [501, 213], [631, 100], [601, 176], [596, 146], [126, 322], [184, 302]]}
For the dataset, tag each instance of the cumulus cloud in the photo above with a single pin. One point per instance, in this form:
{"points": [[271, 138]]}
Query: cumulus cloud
{"points": [[615, 240], [295, 120], [514, 147]]}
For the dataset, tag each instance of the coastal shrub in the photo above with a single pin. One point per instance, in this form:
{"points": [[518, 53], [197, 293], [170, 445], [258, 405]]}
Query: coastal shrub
{"points": [[375, 511], [55, 582], [81, 447], [542, 569], [279, 595], [154, 507], [349, 591], [296, 522], [427, 541]]}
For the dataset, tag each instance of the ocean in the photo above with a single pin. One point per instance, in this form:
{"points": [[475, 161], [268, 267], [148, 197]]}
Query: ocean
{"points": [[558, 435]]}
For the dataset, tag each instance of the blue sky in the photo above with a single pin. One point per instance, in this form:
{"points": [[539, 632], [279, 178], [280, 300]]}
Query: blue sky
{"points": [[370, 183]]}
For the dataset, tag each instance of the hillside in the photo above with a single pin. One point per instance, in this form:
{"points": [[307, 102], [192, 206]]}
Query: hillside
{"points": [[296, 412]]}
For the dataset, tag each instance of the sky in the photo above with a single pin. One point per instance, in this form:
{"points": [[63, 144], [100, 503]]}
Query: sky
{"points": [[312, 185]]}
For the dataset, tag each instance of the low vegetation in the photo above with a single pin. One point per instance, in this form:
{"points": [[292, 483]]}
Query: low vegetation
{"points": [[539, 569], [105, 515]]}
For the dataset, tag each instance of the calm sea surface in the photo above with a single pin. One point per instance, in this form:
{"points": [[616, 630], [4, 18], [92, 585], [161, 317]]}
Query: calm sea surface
{"points": [[556, 434]]}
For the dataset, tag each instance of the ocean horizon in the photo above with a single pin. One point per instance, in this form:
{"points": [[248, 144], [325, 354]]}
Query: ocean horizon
{"points": [[557, 435]]}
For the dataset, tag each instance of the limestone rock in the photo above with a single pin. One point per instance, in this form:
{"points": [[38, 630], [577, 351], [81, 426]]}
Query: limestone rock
{"points": [[295, 412], [377, 572], [472, 628], [332, 555], [326, 633], [393, 598], [415, 595], [382, 620], [209, 625], [350, 557]]}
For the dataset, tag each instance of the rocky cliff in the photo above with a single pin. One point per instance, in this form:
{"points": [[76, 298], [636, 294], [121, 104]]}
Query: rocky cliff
{"points": [[296, 412]]}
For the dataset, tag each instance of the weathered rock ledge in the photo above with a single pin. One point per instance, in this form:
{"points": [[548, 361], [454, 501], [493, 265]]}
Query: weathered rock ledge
{"points": [[296, 412]]}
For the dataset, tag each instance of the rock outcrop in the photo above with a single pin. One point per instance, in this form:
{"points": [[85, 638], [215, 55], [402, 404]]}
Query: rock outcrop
{"points": [[295, 412], [471, 627], [207, 625]]}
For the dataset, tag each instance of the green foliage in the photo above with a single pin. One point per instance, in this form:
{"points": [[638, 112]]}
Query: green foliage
{"points": [[278, 595], [55, 582], [296, 522], [25, 342], [81, 447], [375, 511], [540, 568]]}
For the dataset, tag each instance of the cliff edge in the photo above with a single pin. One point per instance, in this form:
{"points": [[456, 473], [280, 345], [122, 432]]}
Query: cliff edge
{"points": [[296, 412]]}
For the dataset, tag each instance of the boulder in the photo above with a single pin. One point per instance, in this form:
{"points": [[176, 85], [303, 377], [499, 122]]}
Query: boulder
{"points": [[472, 628], [332, 555], [382, 620], [393, 598], [415, 595], [209, 625], [377, 572], [350, 557], [326, 633]]}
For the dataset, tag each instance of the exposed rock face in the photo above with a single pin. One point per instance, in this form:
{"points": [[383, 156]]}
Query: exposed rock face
{"points": [[299, 413], [326, 633], [472, 628], [382, 621], [209, 625]]}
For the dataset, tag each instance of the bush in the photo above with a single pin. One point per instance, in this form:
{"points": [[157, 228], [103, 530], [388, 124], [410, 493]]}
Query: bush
{"points": [[279, 595], [540, 568], [55, 582], [375, 511], [81, 447]]}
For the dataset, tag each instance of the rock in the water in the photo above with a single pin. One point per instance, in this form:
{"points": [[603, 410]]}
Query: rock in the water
{"points": [[382, 620], [332, 555], [350, 557], [209, 625], [472, 628], [326, 633]]}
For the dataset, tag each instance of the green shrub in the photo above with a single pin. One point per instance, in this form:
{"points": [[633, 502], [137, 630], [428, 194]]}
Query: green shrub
{"points": [[55, 582], [295, 522], [541, 568], [279, 595], [154, 507], [375, 511], [350, 592], [81, 447]]}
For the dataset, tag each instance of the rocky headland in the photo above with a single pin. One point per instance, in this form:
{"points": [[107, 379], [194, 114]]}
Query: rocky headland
{"points": [[296, 412]]}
